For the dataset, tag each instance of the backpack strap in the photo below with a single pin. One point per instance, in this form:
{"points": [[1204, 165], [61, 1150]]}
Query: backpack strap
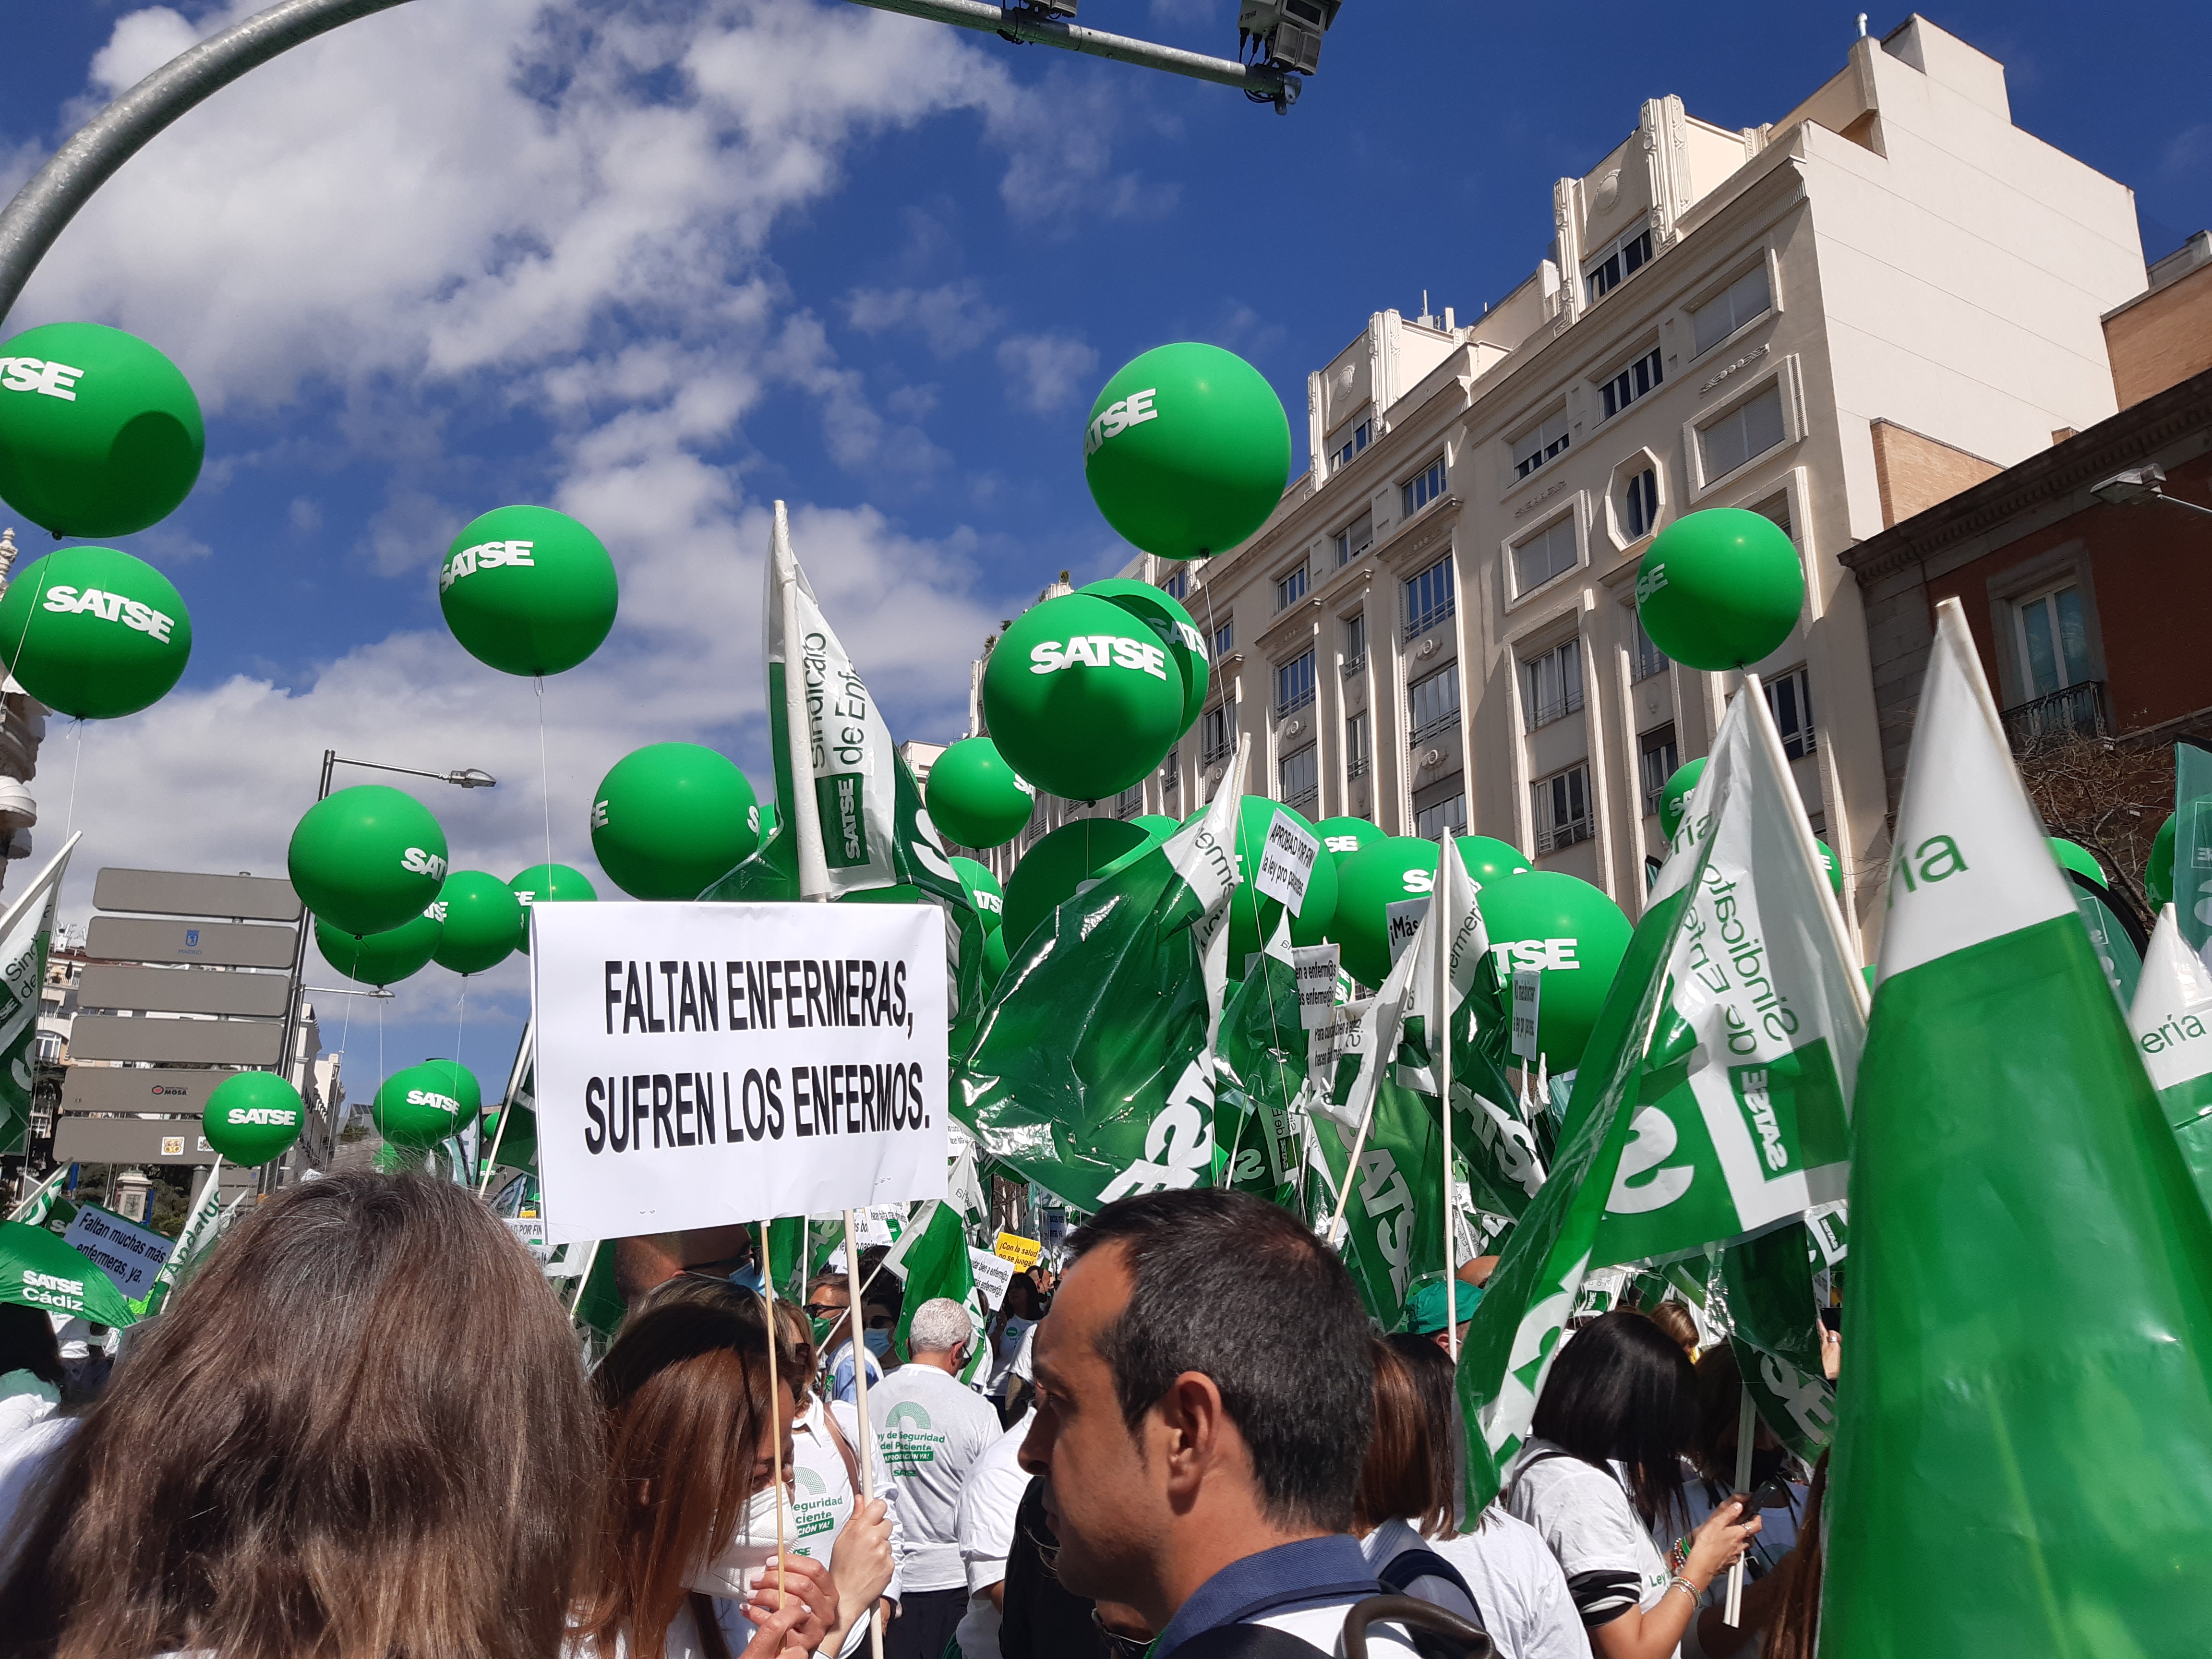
{"points": [[1246, 1642], [1403, 1568]]}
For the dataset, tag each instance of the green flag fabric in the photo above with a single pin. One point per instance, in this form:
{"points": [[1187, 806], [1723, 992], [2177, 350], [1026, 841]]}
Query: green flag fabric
{"points": [[1260, 1081], [1775, 1331], [2192, 844], [29, 923], [931, 1258], [202, 1226], [2171, 1018], [1742, 1119], [33, 1211], [2023, 1457], [1092, 1071], [2108, 936]]}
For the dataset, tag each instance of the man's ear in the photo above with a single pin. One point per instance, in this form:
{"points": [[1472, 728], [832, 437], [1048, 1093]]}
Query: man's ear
{"points": [[1195, 1431]]}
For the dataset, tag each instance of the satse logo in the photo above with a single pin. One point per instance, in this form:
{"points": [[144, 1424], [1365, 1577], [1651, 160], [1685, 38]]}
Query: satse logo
{"points": [[49, 380], [1099, 651], [110, 607], [485, 556], [1118, 417], [1649, 582], [1535, 953], [280, 1117], [416, 862], [443, 1103]]}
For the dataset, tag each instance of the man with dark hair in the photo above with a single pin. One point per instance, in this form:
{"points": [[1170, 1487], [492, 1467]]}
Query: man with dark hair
{"points": [[1204, 1396]]}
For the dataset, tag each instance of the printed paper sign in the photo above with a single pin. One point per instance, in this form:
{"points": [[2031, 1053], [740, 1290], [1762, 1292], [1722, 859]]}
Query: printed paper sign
{"points": [[1404, 921], [1318, 971], [1286, 862], [1526, 982], [994, 1273], [531, 1231], [127, 1253], [1021, 1251], [703, 1064]]}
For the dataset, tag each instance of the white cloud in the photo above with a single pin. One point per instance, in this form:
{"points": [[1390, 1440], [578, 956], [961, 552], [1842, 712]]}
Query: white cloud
{"points": [[1046, 372], [952, 317]]}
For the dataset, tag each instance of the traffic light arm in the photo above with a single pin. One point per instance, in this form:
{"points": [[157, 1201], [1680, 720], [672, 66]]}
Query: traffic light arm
{"points": [[1018, 23]]}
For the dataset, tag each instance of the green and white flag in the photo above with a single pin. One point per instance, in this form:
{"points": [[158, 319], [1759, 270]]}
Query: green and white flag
{"points": [[1092, 1070], [2108, 936], [2023, 1454], [930, 1258], [2192, 844], [1775, 1331], [24, 931], [206, 1224], [39, 1202], [1260, 1082], [2173, 1022], [1743, 1120]]}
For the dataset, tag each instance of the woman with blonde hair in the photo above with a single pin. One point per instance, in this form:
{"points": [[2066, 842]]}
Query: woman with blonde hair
{"points": [[360, 1431]]}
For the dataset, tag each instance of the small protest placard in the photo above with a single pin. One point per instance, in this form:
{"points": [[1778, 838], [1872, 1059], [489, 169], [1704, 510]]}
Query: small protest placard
{"points": [[1286, 862], [1404, 921], [1317, 966], [1022, 1252], [994, 1273], [1525, 984], [127, 1253]]}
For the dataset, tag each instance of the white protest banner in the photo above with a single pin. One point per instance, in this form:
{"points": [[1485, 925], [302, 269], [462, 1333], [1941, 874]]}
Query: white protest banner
{"points": [[1286, 863], [127, 1253], [703, 1064], [1526, 983], [994, 1273], [1404, 921], [1318, 971]]}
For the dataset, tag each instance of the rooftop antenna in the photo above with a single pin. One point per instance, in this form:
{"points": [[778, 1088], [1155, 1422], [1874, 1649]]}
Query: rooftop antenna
{"points": [[1863, 17]]}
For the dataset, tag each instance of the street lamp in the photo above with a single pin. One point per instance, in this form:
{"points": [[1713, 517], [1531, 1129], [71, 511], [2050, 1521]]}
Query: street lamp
{"points": [[2139, 486]]}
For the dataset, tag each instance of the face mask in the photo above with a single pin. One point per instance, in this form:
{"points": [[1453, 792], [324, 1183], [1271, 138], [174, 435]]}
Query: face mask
{"points": [[822, 1329], [737, 1572], [879, 1343]]}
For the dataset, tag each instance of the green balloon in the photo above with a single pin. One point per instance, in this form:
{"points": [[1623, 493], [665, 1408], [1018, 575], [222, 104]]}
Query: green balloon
{"points": [[385, 959], [1391, 871], [1157, 823], [1867, 973], [419, 1106], [1081, 697], [896, 893], [1487, 858], [1721, 588], [93, 632], [479, 918], [1186, 450], [2158, 875], [1342, 838], [369, 858], [671, 818], [1071, 857], [1252, 917], [994, 956], [100, 433], [2079, 859], [527, 591], [1674, 799], [462, 1085], [985, 896], [252, 1118], [1575, 935], [548, 884], [975, 798], [1160, 611], [1831, 865]]}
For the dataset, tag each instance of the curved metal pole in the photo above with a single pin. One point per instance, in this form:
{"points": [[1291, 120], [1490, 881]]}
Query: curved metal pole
{"points": [[34, 219]]}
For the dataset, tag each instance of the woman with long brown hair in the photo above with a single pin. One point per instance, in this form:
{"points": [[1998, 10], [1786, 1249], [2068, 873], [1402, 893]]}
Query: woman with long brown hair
{"points": [[687, 1564], [361, 1431]]}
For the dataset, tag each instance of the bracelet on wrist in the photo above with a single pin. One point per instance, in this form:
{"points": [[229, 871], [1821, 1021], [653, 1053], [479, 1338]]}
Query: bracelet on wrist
{"points": [[1679, 1582]]}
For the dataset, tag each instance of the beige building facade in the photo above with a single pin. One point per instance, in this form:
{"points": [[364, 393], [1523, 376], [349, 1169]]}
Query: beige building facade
{"points": [[1884, 296]]}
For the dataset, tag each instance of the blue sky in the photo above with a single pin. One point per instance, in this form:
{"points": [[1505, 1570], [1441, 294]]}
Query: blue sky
{"points": [[659, 264]]}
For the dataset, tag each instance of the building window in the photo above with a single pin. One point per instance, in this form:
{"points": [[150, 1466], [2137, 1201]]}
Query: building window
{"points": [[1289, 588], [1552, 551], [1294, 683], [1177, 587], [1533, 449], [1348, 444], [1622, 260], [1428, 598], [1224, 637], [50, 1047], [1356, 751], [1355, 539], [1631, 383], [1639, 504], [1355, 643], [1217, 734], [1790, 697], [1171, 771], [1645, 658], [1034, 830], [1658, 758], [1432, 704], [1450, 813], [1552, 684], [1130, 801], [1749, 429], [2053, 641], [1749, 296], [1299, 778], [1562, 804], [1423, 488]]}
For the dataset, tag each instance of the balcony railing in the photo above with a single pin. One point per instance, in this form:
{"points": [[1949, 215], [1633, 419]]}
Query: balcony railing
{"points": [[1304, 801], [1429, 618], [1447, 722], [1355, 768], [1353, 664], [1565, 834], [1558, 708], [1301, 698], [1217, 751], [2078, 711]]}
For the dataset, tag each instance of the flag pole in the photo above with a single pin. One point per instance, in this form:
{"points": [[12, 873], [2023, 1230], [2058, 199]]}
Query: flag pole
{"points": [[1440, 1048], [852, 1317], [1746, 1429], [584, 1279], [775, 1408]]}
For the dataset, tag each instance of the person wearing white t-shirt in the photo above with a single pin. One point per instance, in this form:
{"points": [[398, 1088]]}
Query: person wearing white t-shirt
{"points": [[985, 1522], [932, 1427], [1602, 1469]]}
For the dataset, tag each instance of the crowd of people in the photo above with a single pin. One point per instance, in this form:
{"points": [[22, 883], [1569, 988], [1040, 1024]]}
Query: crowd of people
{"points": [[364, 1431]]}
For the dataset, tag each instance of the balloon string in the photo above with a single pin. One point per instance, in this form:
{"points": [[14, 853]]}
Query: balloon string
{"points": [[30, 612], [76, 765], [545, 785]]}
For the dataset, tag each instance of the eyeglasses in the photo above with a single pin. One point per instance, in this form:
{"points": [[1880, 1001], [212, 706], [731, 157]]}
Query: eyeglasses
{"points": [[823, 1310]]}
